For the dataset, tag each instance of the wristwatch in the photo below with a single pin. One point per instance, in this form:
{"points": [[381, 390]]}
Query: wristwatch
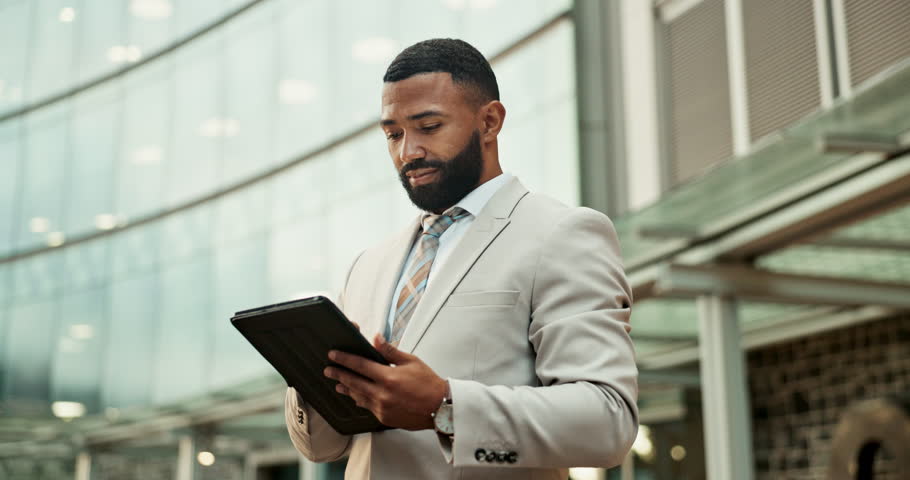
{"points": [[443, 417]]}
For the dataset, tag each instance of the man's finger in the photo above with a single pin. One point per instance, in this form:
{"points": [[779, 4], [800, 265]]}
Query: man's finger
{"points": [[389, 351], [351, 382], [367, 368], [356, 326]]}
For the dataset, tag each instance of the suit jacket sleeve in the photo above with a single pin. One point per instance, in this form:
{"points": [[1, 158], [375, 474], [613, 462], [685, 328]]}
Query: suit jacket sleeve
{"points": [[309, 432], [584, 411]]}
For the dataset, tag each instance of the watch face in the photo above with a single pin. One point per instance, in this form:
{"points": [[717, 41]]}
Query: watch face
{"points": [[444, 420]]}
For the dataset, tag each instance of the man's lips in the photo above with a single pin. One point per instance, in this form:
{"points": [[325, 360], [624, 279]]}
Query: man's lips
{"points": [[421, 176]]}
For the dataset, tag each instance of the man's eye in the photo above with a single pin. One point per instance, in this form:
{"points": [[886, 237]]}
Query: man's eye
{"points": [[430, 128], [393, 135]]}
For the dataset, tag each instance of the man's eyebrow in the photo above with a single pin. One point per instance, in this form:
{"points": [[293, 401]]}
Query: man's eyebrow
{"points": [[416, 116]]}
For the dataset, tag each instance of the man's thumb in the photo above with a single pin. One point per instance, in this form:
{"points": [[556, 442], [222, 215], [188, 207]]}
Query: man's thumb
{"points": [[389, 351]]}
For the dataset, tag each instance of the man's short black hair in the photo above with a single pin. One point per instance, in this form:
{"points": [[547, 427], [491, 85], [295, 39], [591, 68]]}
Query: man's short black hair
{"points": [[467, 66]]}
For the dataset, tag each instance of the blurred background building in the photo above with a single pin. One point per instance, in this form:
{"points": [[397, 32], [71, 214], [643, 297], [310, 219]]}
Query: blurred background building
{"points": [[164, 163]]}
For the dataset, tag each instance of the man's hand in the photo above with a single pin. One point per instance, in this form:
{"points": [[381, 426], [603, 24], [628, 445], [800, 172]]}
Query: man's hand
{"points": [[402, 395]]}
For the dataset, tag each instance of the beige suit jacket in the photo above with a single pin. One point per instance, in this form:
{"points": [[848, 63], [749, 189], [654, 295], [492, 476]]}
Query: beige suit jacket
{"points": [[529, 321]]}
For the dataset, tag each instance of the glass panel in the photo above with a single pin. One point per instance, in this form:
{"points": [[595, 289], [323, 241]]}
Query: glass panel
{"points": [[250, 93], [130, 341], [51, 55], [14, 35], [90, 179], [76, 374], [10, 164], [27, 354], [103, 45], [241, 282], [305, 84], [669, 319], [43, 187], [741, 182], [149, 24], [182, 357], [198, 125], [863, 264], [144, 146]]}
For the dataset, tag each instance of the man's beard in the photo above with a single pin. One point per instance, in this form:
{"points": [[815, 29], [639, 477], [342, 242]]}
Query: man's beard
{"points": [[455, 178]]}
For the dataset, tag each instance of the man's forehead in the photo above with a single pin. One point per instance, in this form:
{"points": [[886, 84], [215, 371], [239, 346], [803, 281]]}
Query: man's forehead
{"points": [[419, 92]]}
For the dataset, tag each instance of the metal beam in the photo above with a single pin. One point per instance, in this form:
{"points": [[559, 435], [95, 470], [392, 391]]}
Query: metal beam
{"points": [[858, 142], [862, 244], [752, 284], [725, 402]]}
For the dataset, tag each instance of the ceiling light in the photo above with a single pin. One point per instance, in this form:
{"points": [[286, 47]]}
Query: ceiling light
{"points": [[643, 446], [55, 239], [296, 92], [151, 9], [68, 410], [206, 459], [105, 221], [146, 155], [39, 224], [219, 127], [473, 4], [678, 453], [82, 331], [67, 14], [116, 54], [133, 53], [584, 473], [375, 49]]}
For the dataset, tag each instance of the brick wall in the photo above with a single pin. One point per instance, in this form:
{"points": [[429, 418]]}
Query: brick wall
{"points": [[799, 390]]}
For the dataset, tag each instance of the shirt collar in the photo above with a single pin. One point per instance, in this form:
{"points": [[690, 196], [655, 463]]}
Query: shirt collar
{"points": [[474, 202]]}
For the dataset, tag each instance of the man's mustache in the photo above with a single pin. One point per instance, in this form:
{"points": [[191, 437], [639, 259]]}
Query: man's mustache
{"points": [[421, 163]]}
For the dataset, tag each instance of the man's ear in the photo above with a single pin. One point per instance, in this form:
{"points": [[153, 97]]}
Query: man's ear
{"points": [[493, 114]]}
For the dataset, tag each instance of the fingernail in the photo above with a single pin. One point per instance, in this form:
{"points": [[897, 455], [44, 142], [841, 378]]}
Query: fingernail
{"points": [[328, 372], [332, 355]]}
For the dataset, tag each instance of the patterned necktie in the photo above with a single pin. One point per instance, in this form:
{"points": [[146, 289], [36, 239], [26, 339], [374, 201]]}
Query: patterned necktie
{"points": [[411, 292]]}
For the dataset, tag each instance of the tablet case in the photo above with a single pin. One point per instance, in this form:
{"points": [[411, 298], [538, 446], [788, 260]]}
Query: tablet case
{"points": [[295, 337]]}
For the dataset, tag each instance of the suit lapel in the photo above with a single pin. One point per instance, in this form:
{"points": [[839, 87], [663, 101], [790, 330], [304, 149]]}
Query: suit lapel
{"points": [[387, 275], [486, 227]]}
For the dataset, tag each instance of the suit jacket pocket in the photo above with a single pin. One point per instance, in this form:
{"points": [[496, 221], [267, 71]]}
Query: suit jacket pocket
{"points": [[505, 298]]}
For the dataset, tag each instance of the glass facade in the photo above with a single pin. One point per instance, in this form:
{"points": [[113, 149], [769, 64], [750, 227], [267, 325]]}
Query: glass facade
{"points": [[139, 213]]}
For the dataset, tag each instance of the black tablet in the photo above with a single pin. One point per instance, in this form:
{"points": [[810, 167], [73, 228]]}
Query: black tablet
{"points": [[295, 337]]}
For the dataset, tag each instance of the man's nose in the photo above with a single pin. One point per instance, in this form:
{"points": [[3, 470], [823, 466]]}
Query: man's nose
{"points": [[411, 149]]}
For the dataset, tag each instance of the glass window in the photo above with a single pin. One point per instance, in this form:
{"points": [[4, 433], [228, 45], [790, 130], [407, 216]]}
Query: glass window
{"points": [[149, 24], [241, 282], [77, 361], [86, 265], [144, 145], [42, 186], [305, 84], [198, 124], [190, 15], [102, 46], [298, 265], [14, 34], [250, 95], [135, 250], [10, 164], [51, 53], [182, 357], [186, 233], [89, 204], [27, 354], [130, 341]]}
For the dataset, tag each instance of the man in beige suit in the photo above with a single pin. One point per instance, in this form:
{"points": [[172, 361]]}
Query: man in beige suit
{"points": [[507, 313]]}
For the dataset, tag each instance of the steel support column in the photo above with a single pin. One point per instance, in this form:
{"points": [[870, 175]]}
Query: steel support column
{"points": [[84, 466], [186, 464], [725, 404]]}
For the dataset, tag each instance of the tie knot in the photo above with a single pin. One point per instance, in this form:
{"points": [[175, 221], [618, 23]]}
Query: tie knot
{"points": [[436, 225]]}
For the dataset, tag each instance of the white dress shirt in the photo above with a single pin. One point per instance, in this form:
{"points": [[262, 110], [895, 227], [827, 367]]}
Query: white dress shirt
{"points": [[472, 203]]}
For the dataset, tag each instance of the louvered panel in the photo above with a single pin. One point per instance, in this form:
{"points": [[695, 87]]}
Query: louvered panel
{"points": [[699, 101], [781, 63], [878, 35]]}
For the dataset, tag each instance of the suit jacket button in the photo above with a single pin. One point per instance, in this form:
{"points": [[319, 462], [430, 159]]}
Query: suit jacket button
{"points": [[480, 454], [512, 458], [491, 456], [501, 457]]}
